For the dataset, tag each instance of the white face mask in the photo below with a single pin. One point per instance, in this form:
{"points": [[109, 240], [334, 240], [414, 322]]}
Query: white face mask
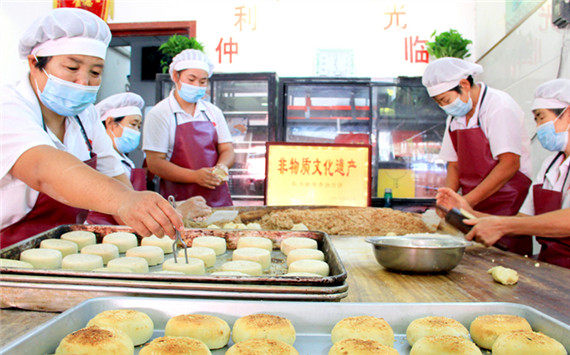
{"points": [[66, 98], [549, 138]]}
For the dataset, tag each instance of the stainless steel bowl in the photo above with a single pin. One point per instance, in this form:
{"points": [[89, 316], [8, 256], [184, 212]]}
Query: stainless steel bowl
{"points": [[421, 254]]}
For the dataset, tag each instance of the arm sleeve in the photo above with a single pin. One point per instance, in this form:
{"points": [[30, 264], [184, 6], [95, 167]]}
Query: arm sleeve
{"points": [[504, 128], [224, 135], [528, 204], [156, 131], [447, 152]]}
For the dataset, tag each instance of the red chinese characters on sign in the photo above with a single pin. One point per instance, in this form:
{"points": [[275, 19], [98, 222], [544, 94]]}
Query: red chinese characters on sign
{"points": [[97, 7], [229, 48], [396, 14], [245, 17], [316, 167], [416, 51]]}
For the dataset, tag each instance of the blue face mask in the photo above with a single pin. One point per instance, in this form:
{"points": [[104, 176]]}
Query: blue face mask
{"points": [[66, 98], [458, 108], [128, 141], [550, 139], [191, 93]]}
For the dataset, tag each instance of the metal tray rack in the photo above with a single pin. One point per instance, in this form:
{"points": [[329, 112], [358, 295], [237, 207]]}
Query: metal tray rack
{"points": [[313, 321], [57, 290]]}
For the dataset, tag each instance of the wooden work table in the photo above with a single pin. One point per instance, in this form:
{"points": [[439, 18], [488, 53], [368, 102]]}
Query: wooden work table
{"points": [[544, 287]]}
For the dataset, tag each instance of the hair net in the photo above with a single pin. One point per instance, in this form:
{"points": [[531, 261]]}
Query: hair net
{"points": [[552, 94], [66, 31], [120, 105], [444, 74], [191, 59]]}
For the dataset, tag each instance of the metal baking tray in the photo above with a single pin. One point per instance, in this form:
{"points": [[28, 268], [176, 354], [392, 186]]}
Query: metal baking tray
{"points": [[273, 276], [313, 322]]}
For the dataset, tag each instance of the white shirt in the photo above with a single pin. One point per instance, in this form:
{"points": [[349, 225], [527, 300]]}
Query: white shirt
{"points": [[553, 181], [159, 128], [21, 128], [502, 122], [126, 162]]}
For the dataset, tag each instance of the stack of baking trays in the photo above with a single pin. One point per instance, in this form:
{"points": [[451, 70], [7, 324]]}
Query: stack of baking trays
{"points": [[57, 290]]}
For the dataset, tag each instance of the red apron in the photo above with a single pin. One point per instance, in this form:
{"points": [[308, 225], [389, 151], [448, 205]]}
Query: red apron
{"points": [[475, 162], [138, 180], [47, 212], [196, 147], [553, 250]]}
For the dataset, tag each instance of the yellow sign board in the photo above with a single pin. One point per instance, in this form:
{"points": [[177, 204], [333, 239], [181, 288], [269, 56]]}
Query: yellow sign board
{"points": [[401, 181], [317, 174]]}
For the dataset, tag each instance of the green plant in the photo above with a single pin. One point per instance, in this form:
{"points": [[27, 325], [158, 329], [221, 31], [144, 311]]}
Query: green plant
{"points": [[174, 45], [448, 44]]}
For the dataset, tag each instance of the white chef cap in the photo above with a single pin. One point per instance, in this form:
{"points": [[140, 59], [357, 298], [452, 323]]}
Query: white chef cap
{"points": [[120, 105], [66, 31], [552, 94], [191, 59], [444, 74]]}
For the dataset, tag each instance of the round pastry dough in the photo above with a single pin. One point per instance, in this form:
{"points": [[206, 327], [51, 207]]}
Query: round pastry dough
{"points": [[297, 243], [153, 255], [66, 247], [255, 226], [354, 346], [250, 268], [422, 327], [255, 242], [123, 240], [175, 346], [208, 255], [312, 266], [213, 226], [485, 329], [213, 331], [136, 324], [96, 340], [164, 243], [262, 347], [258, 255], [112, 269], [230, 225], [81, 238], [363, 327], [17, 264], [444, 345], [193, 267], [524, 342], [228, 273], [216, 243], [305, 254], [106, 251], [263, 326], [299, 227], [42, 258], [134, 264], [82, 262]]}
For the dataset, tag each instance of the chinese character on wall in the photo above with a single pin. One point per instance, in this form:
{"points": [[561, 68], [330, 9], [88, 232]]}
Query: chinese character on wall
{"points": [[415, 50], [227, 48], [246, 17]]}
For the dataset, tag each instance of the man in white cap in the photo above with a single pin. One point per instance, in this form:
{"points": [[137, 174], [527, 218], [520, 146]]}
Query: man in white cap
{"points": [[50, 128], [485, 144], [186, 139], [548, 202]]}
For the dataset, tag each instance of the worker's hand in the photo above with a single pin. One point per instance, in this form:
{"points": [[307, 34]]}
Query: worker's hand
{"points": [[148, 213], [449, 199], [486, 230], [194, 208], [206, 178]]}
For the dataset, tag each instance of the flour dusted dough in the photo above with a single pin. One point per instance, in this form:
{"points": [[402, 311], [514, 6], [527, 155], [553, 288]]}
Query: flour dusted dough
{"points": [[297, 243], [422, 327], [136, 324], [354, 346], [164, 243], [526, 342], [213, 331], [153, 255], [193, 267], [255, 242], [106, 251], [81, 238], [305, 254], [263, 326], [311, 266], [258, 255], [504, 275], [444, 345], [123, 240], [485, 329], [250, 268], [82, 262], [175, 346], [363, 327], [208, 255], [96, 340], [262, 347], [216, 243], [15, 264], [134, 264], [42, 258], [66, 247]]}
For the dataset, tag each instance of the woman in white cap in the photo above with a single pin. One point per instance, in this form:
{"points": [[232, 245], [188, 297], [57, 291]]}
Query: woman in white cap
{"points": [[485, 144], [186, 139], [546, 210], [50, 129]]}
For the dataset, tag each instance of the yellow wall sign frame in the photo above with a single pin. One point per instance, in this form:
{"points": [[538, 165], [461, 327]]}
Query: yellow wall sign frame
{"points": [[317, 174]]}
